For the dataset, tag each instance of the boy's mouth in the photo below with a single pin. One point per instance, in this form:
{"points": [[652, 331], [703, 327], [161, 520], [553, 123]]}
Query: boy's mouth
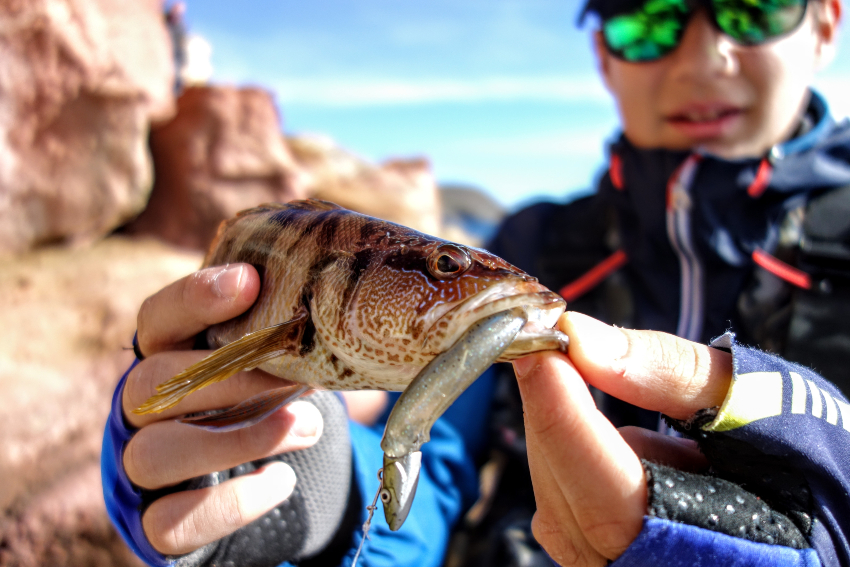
{"points": [[703, 122]]}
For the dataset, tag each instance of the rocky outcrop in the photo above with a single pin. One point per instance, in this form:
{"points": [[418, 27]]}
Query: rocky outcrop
{"points": [[402, 191], [65, 525], [80, 85], [222, 153], [68, 320], [80, 82]]}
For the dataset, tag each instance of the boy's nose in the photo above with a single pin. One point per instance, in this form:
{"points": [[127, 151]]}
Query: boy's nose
{"points": [[704, 50]]}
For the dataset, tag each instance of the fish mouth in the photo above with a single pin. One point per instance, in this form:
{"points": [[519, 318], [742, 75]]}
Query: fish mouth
{"points": [[542, 305]]}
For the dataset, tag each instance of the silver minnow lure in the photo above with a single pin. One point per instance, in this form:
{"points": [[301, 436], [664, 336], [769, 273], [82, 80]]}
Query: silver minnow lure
{"points": [[430, 394]]}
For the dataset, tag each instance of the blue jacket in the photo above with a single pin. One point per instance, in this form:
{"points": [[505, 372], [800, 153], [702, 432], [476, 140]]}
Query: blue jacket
{"points": [[687, 264]]}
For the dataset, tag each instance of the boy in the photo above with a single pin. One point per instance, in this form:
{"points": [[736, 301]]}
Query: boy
{"points": [[723, 144]]}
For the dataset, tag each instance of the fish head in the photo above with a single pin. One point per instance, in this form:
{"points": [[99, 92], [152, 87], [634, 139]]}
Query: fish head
{"points": [[416, 298], [488, 285]]}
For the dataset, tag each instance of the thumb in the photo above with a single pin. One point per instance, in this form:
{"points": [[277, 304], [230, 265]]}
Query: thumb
{"points": [[650, 369]]}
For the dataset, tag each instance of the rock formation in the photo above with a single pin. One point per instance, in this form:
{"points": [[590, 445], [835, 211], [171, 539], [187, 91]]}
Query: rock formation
{"points": [[80, 83], [68, 318], [86, 88], [402, 191], [222, 153]]}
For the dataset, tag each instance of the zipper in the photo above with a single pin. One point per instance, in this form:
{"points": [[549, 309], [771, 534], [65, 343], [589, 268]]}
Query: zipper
{"points": [[679, 231]]}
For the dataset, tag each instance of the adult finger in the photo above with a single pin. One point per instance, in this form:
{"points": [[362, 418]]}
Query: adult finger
{"points": [[650, 369], [599, 475], [170, 319], [185, 521], [153, 371], [168, 452]]}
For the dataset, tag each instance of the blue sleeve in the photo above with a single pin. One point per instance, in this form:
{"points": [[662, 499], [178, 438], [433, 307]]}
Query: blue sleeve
{"points": [[673, 544], [123, 500], [787, 411]]}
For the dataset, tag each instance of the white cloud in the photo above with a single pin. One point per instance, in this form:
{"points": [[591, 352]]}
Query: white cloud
{"points": [[346, 92]]}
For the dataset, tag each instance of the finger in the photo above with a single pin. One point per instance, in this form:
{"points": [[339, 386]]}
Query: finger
{"points": [[184, 521], [599, 475], [554, 525], [151, 372], [168, 452], [676, 452], [171, 318], [653, 370]]}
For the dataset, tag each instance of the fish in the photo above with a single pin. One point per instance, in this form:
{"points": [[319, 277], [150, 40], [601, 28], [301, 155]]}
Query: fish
{"points": [[352, 302]]}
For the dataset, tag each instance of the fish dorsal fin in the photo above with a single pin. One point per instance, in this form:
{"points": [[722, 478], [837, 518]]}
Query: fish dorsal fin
{"points": [[313, 205], [242, 354], [301, 205]]}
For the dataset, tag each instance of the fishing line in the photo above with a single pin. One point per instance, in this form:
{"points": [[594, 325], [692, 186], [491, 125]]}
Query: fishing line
{"points": [[368, 523]]}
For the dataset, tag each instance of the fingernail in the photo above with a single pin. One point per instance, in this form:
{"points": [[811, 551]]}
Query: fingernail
{"points": [[594, 338], [229, 282], [308, 420]]}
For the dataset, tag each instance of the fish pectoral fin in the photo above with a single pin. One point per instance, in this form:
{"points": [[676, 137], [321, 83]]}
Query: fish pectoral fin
{"points": [[247, 352], [250, 412]]}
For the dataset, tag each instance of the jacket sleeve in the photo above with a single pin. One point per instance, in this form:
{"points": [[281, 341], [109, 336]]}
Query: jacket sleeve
{"points": [[782, 440], [123, 499]]}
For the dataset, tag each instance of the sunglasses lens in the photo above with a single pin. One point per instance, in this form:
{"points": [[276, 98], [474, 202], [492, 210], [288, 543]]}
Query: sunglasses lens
{"points": [[755, 21], [648, 33]]}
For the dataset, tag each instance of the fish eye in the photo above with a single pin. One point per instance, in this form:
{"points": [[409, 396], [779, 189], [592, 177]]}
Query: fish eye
{"points": [[448, 261]]}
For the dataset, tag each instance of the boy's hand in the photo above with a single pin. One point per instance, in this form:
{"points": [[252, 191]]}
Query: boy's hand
{"points": [[588, 481], [164, 452]]}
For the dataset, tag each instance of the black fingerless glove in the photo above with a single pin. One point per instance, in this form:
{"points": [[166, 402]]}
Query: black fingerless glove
{"points": [[313, 526]]}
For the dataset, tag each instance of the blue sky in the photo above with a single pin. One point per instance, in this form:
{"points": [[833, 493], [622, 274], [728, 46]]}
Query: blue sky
{"points": [[499, 94]]}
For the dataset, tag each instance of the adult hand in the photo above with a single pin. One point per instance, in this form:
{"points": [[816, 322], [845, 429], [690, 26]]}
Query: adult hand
{"points": [[589, 484], [165, 452]]}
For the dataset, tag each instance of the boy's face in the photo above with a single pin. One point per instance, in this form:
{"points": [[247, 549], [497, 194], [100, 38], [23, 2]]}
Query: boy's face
{"points": [[731, 100]]}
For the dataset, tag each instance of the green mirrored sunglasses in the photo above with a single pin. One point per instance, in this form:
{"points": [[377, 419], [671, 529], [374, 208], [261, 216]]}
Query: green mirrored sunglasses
{"points": [[655, 27]]}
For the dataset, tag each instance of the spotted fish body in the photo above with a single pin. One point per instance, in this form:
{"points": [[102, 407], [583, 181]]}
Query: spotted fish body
{"points": [[367, 303]]}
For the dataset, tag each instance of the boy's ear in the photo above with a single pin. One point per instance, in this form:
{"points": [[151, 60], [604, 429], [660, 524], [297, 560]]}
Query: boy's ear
{"points": [[602, 58], [826, 21]]}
